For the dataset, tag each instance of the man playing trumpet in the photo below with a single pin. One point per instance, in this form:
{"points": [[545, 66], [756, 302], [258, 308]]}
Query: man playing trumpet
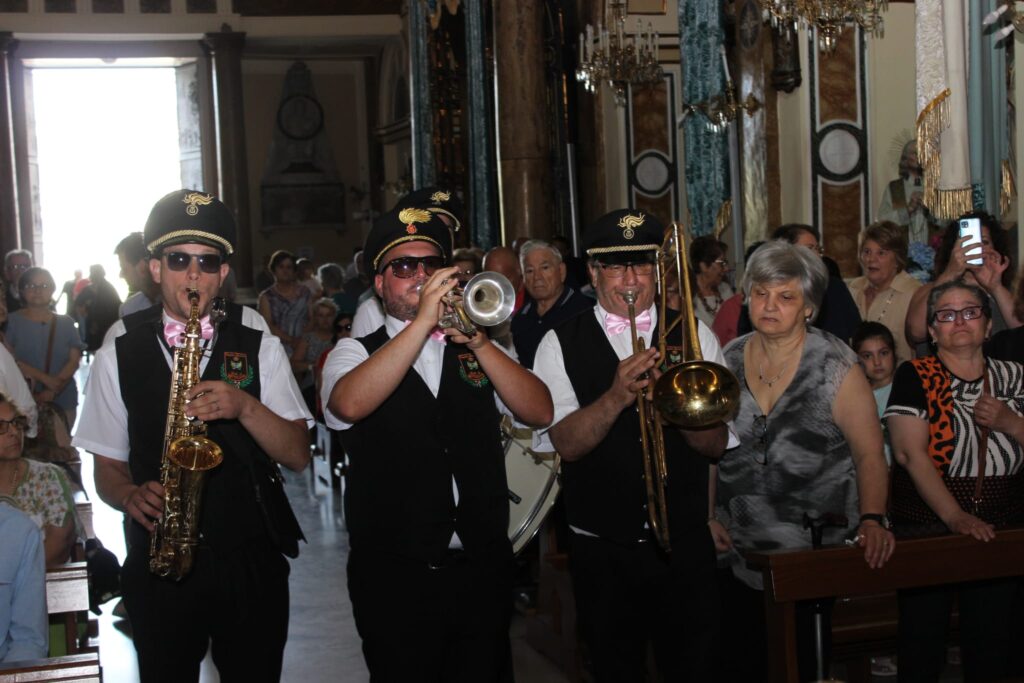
{"points": [[430, 568], [629, 591]]}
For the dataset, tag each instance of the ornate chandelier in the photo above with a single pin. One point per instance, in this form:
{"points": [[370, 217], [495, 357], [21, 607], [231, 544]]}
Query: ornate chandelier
{"points": [[829, 17], [609, 53]]}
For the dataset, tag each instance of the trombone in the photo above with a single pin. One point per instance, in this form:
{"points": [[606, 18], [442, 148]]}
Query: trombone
{"points": [[692, 394]]}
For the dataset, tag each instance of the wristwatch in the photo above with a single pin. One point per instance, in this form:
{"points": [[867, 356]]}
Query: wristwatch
{"points": [[883, 520]]}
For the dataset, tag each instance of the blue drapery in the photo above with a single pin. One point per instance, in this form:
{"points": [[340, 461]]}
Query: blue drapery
{"points": [[706, 155], [986, 108]]}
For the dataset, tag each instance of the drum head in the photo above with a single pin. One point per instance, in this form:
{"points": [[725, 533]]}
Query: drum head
{"points": [[532, 488]]}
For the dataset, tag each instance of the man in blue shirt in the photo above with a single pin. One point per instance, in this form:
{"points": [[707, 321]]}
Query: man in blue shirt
{"points": [[24, 630]]}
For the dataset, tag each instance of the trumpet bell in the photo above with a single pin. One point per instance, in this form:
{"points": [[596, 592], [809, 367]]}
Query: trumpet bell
{"points": [[488, 299], [696, 394]]}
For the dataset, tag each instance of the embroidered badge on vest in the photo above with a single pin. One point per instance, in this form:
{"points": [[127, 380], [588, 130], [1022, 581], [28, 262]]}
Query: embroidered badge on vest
{"points": [[470, 372], [236, 369]]}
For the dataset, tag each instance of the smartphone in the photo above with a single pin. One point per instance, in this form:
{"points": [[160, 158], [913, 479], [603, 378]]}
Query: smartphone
{"points": [[971, 228]]}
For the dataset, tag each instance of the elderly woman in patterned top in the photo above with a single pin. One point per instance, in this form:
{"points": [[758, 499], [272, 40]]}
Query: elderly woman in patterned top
{"points": [[38, 489], [811, 443], [956, 420]]}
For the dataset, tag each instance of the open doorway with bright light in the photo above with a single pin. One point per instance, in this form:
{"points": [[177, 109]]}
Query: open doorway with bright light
{"points": [[110, 138]]}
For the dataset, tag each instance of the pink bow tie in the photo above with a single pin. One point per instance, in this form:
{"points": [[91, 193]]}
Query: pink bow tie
{"points": [[616, 324], [174, 331]]}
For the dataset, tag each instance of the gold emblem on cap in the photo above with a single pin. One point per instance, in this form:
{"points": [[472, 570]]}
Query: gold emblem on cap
{"points": [[440, 197], [409, 216], [194, 200], [628, 223]]}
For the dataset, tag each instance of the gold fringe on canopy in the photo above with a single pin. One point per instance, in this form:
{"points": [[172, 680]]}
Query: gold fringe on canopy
{"points": [[932, 120], [1008, 188], [952, 203], [723, 219]]}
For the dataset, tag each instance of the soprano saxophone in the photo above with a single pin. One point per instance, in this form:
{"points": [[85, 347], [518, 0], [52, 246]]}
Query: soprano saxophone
{"points": [[187, 456]]}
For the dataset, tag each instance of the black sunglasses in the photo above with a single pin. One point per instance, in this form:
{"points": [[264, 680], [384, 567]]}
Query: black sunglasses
{"points": [[406, 266], [179, 261]]}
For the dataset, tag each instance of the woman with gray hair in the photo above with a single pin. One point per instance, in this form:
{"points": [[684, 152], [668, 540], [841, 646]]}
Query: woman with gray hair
{"points": [[883, 292], [810, 442]]}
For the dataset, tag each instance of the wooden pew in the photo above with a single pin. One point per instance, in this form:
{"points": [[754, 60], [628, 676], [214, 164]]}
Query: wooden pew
{"points": [[67, 597], [83, 668], [790, 576]]}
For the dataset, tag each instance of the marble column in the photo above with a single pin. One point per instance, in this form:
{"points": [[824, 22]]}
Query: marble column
{"points": [[8, 177], [225, 53], [524, 165], [422, 104]]}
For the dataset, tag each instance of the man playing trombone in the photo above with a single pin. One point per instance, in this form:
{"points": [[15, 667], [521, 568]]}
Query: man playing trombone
{"points": [[430, 568], [629, 589]]}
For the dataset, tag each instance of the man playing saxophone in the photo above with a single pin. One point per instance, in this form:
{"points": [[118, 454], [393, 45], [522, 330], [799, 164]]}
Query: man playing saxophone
{"points": [[629, 591], [430, 567], [236, 591]]}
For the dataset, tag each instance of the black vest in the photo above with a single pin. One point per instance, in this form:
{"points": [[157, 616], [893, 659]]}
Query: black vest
{"points": [[403, 457], [230, 514], [604, 491]]}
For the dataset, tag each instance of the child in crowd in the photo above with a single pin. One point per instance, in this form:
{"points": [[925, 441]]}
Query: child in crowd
{"points": [[875, 347]]}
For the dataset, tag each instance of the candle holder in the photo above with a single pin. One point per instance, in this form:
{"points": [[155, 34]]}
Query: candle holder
{"points": [[722, 109], [620, 58]]}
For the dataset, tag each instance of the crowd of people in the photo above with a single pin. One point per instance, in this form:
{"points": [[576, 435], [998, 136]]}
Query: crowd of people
{"points": [[844, 387]]}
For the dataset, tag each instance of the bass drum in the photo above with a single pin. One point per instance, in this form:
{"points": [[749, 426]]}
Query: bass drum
{"points": [[533, 486]]}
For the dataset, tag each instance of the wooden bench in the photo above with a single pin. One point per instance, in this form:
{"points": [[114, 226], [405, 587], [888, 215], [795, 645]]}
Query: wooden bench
{"points": [[67, 600], [83, 668], [791, 576]]}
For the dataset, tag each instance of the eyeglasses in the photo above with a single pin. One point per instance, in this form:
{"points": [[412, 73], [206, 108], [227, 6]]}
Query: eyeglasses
{"points": [[18, 266], [179, 261], [948, 315], [724, 262], [617, 270], [760, 430], [32, 286], [407, 266], [18, 424]]}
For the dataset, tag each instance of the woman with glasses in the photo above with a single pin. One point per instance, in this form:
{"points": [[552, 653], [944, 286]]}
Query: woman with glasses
{"points": [[956, 420], [285, 305], [811, 443], [46, 345], [994, 276], [709, 268], [38, 489]]}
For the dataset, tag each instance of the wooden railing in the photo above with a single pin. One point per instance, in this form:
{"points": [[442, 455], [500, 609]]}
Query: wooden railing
{"points": [[794, 575]]}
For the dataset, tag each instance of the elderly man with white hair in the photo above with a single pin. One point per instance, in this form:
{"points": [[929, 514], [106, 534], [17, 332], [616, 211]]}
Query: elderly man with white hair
{"points": [[549, 300]]}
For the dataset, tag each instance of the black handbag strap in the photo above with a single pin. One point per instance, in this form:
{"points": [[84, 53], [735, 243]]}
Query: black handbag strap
{"points": [[49, 344]]}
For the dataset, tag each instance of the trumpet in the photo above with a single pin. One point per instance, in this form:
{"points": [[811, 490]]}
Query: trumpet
{"points": [[486, 300], [692, 394]]}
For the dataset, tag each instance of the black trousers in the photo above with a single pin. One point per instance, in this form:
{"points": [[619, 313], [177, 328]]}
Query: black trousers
{"points": [[629, 596], [237, 599], [743, 650], [986, 614], [432, 624]]}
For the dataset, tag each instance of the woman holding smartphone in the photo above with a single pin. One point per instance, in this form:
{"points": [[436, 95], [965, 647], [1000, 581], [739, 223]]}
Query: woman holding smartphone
{"points": [[994, 276]]}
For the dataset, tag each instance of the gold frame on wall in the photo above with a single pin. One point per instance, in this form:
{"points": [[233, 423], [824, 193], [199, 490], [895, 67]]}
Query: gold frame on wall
{"points": [[646, 6]]}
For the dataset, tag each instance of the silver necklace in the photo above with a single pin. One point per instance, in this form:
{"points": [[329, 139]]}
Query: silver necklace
{"points": [[769, 380]]}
